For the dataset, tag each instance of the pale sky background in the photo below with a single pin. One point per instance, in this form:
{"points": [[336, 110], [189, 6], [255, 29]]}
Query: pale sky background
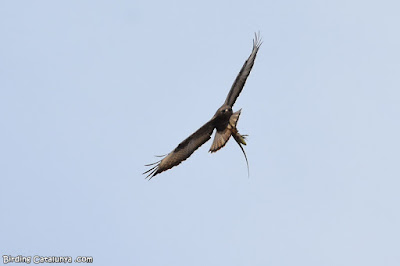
{"points": [[90, 91]]}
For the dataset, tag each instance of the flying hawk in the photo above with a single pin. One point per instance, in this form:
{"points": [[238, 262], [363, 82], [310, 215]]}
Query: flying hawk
{"points": [[224, 121]]}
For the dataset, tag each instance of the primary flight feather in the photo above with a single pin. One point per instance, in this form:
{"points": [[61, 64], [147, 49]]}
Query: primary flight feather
{"points": [[224, 121]]}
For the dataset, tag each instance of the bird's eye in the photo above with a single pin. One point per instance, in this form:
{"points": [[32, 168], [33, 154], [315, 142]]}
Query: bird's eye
{"points": [[223, 111]]}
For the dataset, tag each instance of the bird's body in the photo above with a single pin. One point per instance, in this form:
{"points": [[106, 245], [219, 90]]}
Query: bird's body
{"points": [[221, 117], [224, 121]]}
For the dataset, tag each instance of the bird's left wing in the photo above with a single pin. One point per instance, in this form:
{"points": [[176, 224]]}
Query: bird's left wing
{"points": [[241, 78], [183, 151]]}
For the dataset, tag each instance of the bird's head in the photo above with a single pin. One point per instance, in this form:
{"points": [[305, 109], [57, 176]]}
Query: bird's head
{"points": [[224, 111]]}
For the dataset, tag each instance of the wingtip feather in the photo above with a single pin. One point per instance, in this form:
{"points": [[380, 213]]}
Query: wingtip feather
{"points": [[257, 41]]}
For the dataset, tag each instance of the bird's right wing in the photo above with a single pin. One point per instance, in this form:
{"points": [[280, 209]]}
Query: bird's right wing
{"points": [[241, 78], [183, 151]]}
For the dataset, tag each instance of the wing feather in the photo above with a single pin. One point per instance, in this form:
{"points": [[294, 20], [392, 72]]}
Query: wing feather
{"points": [[241, 78], [183, 151]]}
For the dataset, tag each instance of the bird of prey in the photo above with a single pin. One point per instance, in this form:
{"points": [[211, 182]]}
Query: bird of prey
{"points": [[224, 121]]}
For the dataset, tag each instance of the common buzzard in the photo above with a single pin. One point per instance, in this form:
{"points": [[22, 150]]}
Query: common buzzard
{"points": [[224, 121]]}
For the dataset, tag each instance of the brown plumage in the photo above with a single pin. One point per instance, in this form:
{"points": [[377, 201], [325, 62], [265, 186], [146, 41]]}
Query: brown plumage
{"points": [[224, 121]]}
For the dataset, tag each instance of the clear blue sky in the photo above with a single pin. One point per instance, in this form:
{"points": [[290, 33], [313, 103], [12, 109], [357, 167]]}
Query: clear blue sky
{"points": [[91, 90]]}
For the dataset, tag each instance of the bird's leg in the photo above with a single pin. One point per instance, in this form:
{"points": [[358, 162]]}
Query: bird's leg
{"points": [[237, 136]]}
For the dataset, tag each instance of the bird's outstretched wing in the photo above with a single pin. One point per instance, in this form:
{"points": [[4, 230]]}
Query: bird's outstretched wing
{"points": [[240, 80], [183, 151]]}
